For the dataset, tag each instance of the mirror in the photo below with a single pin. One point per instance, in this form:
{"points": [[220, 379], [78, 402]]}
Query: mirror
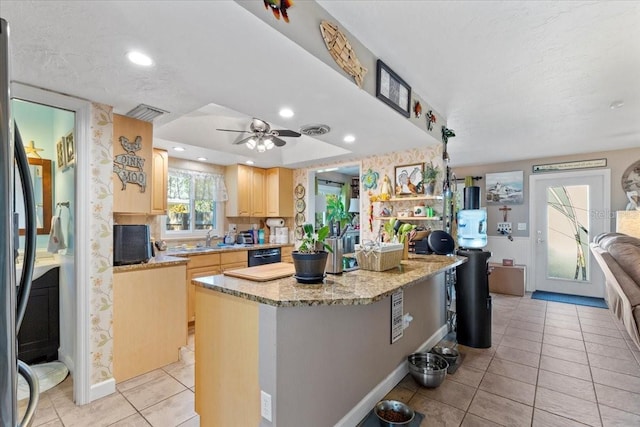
{"points": [[40, 170]]}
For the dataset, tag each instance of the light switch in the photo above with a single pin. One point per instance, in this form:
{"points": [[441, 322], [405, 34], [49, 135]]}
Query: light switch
{"points": [[522, 226]]}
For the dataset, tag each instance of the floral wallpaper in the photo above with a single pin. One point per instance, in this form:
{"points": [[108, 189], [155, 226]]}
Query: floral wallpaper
{"points": [[383, 164], [101, 224]]}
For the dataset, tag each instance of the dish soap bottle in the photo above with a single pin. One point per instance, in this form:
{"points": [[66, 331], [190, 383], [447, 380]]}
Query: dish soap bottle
{"points": [[261, 236]]}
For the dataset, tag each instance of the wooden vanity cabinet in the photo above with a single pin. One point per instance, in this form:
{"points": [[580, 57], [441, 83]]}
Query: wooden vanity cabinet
{"points": [[39, 336], [279, 192], [160, 172]]}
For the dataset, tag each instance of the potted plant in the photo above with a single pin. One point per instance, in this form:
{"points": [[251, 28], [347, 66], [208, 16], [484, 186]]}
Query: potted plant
{"points": [[310, 259], [430, 178], [336, 211]]}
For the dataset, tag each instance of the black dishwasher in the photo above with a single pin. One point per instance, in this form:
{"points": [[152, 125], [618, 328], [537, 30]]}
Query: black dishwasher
{"points": [[263, 256]]}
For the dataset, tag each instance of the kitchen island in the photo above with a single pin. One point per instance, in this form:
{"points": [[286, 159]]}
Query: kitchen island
{"points": [[321, 353]]}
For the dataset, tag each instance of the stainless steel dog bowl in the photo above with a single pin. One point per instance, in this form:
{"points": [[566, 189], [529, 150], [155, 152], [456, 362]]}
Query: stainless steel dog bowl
{"points": [[451, 355], [395, 409], [428, 369]]}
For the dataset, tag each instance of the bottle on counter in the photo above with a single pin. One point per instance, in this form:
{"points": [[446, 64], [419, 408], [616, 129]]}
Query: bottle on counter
{"points": [[261, 236]]}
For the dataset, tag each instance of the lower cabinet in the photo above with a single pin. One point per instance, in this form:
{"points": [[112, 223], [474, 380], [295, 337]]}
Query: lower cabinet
{"points": [[149, 308], [285, 254], [39, 336], [233, 260]]}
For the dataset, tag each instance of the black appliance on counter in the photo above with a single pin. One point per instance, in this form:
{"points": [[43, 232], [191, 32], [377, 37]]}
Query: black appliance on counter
{"points": [[245, 238], [264, 256], [131, 244]]}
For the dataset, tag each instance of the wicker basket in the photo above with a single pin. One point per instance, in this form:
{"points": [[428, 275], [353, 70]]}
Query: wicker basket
{"points": [[380, 258]]}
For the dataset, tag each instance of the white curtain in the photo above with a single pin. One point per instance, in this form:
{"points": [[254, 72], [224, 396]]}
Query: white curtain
{"points": [[207, 186]]}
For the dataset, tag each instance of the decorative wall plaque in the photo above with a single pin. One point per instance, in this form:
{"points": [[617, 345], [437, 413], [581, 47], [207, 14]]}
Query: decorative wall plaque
{"points": [[129, 166]]}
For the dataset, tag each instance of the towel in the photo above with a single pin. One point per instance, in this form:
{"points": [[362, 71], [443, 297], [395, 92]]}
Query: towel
{"points": [[56, 238]]}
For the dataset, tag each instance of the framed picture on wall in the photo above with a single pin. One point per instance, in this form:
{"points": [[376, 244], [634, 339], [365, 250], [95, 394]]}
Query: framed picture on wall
{"points": [[60, 157], [69, 149], [392, 90], [409, 179], [505, 188]]}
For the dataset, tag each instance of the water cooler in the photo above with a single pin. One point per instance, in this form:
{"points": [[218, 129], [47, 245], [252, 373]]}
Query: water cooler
{"points": [[473, 302]]}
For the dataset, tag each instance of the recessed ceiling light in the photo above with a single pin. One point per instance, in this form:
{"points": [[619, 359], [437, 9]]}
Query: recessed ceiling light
{"points": [[202, 159], [286, 113], [178, 149], [139, 58], [249, 162], [616, 104], [349, 139]]}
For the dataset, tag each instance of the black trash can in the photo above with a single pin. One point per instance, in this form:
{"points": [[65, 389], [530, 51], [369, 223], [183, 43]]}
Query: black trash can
{"points": [[473, 302]]}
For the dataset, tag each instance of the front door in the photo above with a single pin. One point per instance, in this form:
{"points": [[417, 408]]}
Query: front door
{"points": [[567, 211]]}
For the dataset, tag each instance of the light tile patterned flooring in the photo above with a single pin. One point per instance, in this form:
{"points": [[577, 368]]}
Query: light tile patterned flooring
{"points": [[550, 364]]}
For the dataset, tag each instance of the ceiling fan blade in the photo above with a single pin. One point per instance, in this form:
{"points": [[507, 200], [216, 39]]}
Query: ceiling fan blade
{"points": [[242, 141], [286, 132], [277, 141], [234, 130]]}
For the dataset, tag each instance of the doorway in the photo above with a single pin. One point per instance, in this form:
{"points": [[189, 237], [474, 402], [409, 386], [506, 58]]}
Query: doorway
{"points": [[567, 211], [74, 298]]}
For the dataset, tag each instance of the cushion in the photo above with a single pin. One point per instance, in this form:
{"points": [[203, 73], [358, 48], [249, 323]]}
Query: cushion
{"points": [[628, 257], [605, 241], [630, 288]]}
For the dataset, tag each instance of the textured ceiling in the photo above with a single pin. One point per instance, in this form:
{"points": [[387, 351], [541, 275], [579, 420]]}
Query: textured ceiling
{"points": [[515, 80]]}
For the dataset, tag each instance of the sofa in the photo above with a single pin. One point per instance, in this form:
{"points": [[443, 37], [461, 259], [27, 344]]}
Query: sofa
{"points": [[619, 258]]}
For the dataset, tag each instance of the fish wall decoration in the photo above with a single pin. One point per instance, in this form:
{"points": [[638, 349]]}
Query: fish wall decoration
{"points": [[342, 52]]}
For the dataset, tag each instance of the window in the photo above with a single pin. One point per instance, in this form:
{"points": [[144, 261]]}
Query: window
{"points": [[194, 204]]}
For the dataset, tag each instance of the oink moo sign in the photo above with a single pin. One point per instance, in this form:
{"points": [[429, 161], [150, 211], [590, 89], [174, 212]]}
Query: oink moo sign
{"points": [[129, 166]]}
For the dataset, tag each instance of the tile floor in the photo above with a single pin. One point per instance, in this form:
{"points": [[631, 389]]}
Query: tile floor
{"points": [[550, 364]]}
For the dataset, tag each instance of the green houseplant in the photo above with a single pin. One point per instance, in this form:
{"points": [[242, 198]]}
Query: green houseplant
{"points": [[336, 211], [430, 178], [310, 259]]}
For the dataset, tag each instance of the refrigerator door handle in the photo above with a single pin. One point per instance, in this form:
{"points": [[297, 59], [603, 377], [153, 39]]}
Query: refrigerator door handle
{"points": [[34, 394]]}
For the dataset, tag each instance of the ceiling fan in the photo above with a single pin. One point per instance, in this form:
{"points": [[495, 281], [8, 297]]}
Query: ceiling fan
{"points": [[263, 137]]}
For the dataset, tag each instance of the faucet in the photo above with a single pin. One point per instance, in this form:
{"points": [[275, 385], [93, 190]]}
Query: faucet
{"points": [[208, 241]]}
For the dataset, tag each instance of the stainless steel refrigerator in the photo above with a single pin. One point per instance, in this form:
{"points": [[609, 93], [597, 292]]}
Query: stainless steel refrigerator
{"points": [[14, 292]]}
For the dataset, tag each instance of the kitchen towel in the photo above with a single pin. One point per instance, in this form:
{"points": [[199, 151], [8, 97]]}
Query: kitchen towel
{"points": [[56, 238]]}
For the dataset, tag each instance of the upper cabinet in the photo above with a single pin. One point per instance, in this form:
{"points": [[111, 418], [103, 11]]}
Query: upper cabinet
{"points": [[132, 165], [160, 171], [258, 177], [239, 180], [279, 192]]}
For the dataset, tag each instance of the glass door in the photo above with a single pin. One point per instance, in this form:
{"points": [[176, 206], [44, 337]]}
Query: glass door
{"points": [[568, 211]]}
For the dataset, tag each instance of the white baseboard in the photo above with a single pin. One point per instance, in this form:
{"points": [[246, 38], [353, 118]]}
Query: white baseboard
{"points": [[102, 389], [67, 360], [385, 386]]}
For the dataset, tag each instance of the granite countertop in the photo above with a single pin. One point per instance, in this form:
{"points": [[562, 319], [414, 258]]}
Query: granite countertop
{"points": [[218, 249], [357, 287], [158, 261]]}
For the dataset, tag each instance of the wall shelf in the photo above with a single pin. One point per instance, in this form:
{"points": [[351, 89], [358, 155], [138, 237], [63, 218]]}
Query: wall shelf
{"points": [[412, 198], [410, 218]]}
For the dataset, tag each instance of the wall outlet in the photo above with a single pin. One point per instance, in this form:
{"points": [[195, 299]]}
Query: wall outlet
{"points": [[504, 228], [522, 226], [265, 405]]}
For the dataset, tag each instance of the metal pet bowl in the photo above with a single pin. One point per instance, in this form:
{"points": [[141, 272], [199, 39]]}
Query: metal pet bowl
{"points": [[392, 413], [451, 355], [428, 369]]}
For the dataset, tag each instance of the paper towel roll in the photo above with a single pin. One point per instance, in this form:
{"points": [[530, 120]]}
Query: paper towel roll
{"points": [[275, 222]]}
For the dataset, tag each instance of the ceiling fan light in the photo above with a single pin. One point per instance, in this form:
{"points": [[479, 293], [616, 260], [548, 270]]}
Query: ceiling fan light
{"points": [[251, 144], [261, 148], [268, 143]]}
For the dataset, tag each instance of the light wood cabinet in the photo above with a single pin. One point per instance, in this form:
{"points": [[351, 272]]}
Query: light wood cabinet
{"points": [[233, 260], [149, 308], [199, 266], [285, 254], [160, 172], [245, 186], [258, 178], [132, 165], [279, 192]]}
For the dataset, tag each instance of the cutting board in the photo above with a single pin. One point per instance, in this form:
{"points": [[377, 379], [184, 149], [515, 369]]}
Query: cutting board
{"points": [[263, 273]]}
